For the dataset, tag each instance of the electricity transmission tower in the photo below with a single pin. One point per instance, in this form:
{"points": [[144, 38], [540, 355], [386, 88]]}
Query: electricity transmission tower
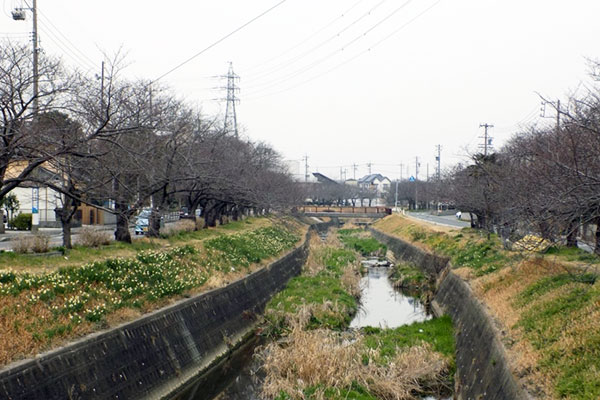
{"points": [[230, 123]]}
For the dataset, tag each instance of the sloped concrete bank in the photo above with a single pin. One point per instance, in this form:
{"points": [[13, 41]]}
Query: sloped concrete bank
{"points": [[482, 370], [160, 354]]}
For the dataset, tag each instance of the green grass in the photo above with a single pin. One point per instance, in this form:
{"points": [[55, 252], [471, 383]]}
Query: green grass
{"points": [[356, 392], [312, 290], [336, 260], [574, 254], [366, 246], [254, 246], [438, 332], [51, 304], [408, 276], [547, 322], [550, 283], [315, 290]]}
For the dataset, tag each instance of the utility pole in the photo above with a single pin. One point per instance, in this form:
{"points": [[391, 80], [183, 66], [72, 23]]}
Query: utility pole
{"points": [[543, 111], [369, 165], [34, 40], [354, 168], [438, 158], [341, 175], [305, 168], [487, 140], [417, 165], [102, 87], [18, 14]]}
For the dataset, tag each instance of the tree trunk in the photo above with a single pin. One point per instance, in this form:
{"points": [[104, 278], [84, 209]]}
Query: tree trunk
{"points": [[122, 232], [66, 234], [545, 231], [572, 231], [154, 224], [597, 236], [2, 230], [210, 215]]}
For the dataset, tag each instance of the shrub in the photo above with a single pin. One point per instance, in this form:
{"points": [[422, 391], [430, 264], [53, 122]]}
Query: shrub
{"points": [[22, 222], [90, 237], [40, 243], [20, 244], [183, 225]]}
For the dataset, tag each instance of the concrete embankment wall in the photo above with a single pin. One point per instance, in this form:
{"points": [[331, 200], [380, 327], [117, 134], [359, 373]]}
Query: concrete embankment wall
{"points": [[157, 355], [482, 370]]}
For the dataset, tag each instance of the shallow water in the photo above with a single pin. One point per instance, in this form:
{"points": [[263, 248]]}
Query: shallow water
{"points": [[383, 306]]}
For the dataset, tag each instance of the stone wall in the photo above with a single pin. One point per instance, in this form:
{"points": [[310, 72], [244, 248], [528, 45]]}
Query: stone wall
{"points": [[157, 355], [482, 371]]}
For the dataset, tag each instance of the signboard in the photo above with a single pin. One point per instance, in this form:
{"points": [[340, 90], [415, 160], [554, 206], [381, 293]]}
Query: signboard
{"points": [[411, 179], [35, 200]]}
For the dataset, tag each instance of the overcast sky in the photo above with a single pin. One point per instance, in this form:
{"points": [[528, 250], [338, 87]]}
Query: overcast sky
{"points": [[344, 81]]}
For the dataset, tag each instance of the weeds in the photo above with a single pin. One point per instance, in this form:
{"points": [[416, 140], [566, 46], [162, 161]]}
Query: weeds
{"points": [[363, 243], [90, 237], [323, 364], [38, 243]]}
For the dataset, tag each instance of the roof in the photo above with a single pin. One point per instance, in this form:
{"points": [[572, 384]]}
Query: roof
{"points": [[322, 178], [370, 178]]}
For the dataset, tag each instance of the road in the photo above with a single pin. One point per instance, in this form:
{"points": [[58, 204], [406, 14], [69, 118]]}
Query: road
{"points": [[7, 239], [446, 220]]}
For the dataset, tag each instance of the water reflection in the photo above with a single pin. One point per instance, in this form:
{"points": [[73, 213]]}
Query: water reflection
{"points": [[383, 306]]}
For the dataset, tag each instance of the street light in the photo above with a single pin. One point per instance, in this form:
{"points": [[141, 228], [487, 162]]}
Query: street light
{"points": [[18, 14]]}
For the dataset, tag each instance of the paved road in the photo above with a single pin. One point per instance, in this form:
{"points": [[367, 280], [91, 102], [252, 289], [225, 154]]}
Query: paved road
{"points": [[446, 220], [7, 239]]}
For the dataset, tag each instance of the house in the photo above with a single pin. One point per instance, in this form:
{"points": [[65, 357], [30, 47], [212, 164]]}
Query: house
{"points": [[376, 182], [41, 199]]}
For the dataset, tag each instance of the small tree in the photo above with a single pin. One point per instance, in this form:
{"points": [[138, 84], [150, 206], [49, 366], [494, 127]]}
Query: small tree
{"points": [[10, 205]]}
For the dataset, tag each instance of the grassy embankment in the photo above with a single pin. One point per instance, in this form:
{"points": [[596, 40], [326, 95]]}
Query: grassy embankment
{"points": [[42, 305], [548, 304], [316, 358]]}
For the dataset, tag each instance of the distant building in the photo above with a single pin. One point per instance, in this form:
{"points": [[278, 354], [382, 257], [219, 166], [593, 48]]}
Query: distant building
{"points": [[376, 182], [323, 179]]}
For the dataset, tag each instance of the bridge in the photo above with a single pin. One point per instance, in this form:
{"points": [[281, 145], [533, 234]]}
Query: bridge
{"points": [[344, 212]]}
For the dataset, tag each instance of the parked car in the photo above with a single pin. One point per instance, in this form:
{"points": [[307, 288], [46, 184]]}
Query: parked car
{"points": [[141, 221]]}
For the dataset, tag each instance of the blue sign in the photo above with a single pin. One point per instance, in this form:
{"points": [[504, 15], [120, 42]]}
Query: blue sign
{"points": [[411, 179]]}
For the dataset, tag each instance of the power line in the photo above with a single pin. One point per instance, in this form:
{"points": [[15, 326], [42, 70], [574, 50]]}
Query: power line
{"points": [[305, 40], [220, 40], [81, 53], [355, 56], [318, 46], [306, 68]]}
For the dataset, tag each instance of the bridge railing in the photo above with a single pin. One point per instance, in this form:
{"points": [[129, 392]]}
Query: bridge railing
{"points": [[344, 210]]}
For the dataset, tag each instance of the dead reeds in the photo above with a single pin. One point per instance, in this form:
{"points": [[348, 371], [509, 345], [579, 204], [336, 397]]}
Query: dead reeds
{"points": [[329, 360]]}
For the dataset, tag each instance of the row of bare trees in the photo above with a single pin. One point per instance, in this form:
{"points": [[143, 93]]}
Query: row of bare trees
{"points": [[545, 180], [121, 145]]}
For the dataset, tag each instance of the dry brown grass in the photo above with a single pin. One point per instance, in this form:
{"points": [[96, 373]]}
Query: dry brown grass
{"points": [[37, 243], [183, 225], [332, 360], [351, 280], [91, 237]]}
